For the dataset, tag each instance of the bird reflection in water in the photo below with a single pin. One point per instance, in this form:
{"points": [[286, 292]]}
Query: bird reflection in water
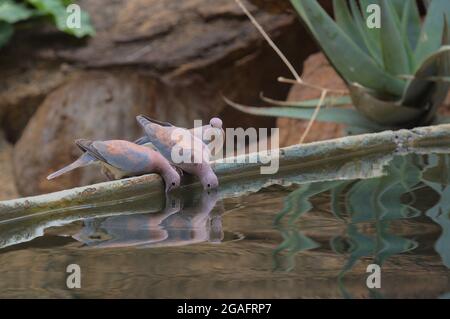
{"points": [[183, 221]]}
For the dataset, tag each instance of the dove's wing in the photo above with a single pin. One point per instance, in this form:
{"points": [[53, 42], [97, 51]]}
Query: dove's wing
{"points": [[166, 138], [125, 156]]}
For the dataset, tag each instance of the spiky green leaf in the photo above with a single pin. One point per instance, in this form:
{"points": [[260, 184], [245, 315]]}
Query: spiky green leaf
{"points": [[329, 101], [426, 94], [383, 112], [345, 21], [349, 60], [371, 43], [395, 56], [411, 23], [432, 31], [349, 117]]}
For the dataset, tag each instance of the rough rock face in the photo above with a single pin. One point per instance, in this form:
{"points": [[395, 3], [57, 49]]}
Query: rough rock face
{"points": [[7, 186], [170, 59], [95, 104], [317, 71]]}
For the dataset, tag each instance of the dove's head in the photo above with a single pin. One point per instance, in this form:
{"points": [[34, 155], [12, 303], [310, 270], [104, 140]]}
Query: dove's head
{"points": [[171, 178], [208, 178], [216, 122]]}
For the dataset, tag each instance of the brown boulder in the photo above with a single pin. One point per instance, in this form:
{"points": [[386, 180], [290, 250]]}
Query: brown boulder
{"points": [[317, 71], [95, 105], [8, 188], [170, 59]]}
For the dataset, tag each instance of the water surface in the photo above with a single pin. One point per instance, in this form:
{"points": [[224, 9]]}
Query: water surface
{"points": [[313, 240]]}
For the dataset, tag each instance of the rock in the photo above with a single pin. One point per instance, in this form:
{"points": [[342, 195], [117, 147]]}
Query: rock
{"points": [[94, 105], [317, 71], [170, 59], [23, 87], [445, 109], [8, 188], [277, 6]]}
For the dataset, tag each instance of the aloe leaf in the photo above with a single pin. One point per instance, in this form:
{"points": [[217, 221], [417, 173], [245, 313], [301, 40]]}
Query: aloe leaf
{"points": [[398, 6], [6, 32], [395, 56], [373, 34], [329, 101], [411, 22], [427, 3], [345, 21], [353, 64], [344, 116], [428, 95], [418, 88], [438, 78], [370, 42], [431, 35], [385, 113]]}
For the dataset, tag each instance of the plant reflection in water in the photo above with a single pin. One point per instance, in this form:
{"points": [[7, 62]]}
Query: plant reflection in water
{"points": [[368, 209]]}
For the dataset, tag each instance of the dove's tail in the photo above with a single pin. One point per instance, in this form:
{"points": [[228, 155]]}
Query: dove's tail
{"points": [[84, 160]]}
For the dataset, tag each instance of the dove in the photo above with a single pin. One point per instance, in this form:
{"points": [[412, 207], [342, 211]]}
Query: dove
{"points": [[167, 137], [123, 159], [205, 132]]}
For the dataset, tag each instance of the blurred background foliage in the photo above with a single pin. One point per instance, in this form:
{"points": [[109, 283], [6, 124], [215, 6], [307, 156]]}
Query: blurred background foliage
{"points": [[15, 12]]}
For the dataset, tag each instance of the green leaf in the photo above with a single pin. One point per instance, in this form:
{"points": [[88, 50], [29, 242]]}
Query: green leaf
{"points": [[57, 10], [422, 93], [353, 64], [431, 35], [411, 23], [383, 112], [395, 56], [349, 117], [398, 6], [6, 32], [370, 40], [345, 21], [329, 101], [12, 12], [372, 33]]}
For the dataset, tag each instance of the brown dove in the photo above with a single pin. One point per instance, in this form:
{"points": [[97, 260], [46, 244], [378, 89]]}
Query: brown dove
{"points": [[182, 148], [121, 159]]}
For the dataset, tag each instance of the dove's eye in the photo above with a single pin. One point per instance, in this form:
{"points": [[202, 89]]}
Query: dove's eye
{"points": [[209, 185], [173, 183]]}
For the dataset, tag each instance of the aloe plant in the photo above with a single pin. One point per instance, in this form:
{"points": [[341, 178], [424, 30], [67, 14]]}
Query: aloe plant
{"points": [[397, 75]]}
